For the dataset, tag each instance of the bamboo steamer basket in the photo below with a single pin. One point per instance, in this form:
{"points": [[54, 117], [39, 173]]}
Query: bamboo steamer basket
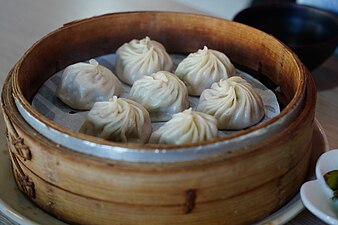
{"points": [[238, 179]]}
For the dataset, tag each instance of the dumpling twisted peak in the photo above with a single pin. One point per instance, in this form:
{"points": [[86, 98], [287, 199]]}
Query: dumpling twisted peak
{"points": [[201, 69], [233, 102], [187, 127], [83, 84], [118, 119], [161, 93], [141, 57]]}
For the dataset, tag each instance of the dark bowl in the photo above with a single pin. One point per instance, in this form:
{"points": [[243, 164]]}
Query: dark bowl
{"points": [[310, 32]]}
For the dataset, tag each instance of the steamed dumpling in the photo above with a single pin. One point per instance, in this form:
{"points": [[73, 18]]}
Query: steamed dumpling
{"points": [[201, 69], [83, 84], [233, 102], [120, 120], [141, 57], [162, 94], [187, 127]]}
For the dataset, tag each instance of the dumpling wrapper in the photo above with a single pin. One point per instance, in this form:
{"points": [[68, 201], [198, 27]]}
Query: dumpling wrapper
{"points": [[83, 84], [233, 102], [188, 127], [201, 69], [162, 94], [120, 120], [141, 57]]}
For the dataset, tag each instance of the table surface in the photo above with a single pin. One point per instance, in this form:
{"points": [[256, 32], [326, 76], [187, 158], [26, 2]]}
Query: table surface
{"points": [[23, 22]]}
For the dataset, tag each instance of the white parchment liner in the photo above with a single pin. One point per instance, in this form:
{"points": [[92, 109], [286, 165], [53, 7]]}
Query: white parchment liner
{"points": [[46, 103]]}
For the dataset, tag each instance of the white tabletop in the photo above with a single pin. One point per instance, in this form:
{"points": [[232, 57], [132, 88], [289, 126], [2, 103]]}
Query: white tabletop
{"points": [[23, 22]]}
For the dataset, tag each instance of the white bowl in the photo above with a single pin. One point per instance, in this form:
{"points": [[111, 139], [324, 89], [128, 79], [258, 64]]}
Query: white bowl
{"points": [[317, 202], [317, 195], [326, 162]]}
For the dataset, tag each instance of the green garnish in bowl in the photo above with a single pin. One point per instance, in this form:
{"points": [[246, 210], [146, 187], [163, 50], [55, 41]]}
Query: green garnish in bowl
{"points": [[331, 178]]}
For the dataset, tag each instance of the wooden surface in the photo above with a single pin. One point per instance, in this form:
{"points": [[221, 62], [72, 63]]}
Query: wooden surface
{"points": [[24, 22]]}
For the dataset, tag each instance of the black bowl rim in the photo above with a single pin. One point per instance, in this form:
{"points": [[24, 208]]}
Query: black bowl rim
{"points": [[287, 5]]}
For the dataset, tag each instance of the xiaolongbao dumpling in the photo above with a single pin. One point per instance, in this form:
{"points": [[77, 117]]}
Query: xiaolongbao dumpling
{"points": [[162, 94], [201, 69], [233, 102], [141, 57], [120, 120], [187, 127], [83, 84]]}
